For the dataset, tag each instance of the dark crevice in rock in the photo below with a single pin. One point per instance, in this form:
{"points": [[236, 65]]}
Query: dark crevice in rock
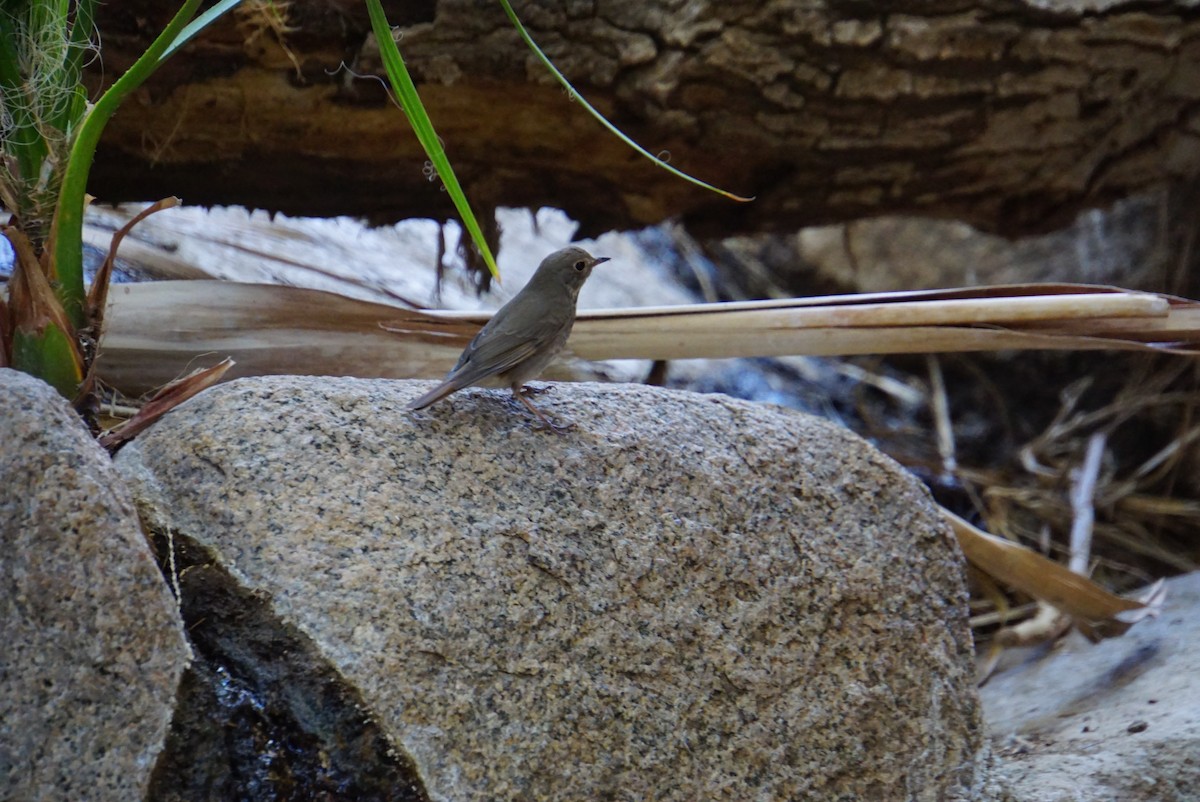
{"points": [[260, 715]]}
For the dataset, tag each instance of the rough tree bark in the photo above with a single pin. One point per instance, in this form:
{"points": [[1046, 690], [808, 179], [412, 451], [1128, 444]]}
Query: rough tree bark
{"points": [[1010, 115]]}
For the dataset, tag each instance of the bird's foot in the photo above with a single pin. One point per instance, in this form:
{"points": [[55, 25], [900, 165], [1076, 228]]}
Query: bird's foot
{"points": [[544, 420], [527, 390]]}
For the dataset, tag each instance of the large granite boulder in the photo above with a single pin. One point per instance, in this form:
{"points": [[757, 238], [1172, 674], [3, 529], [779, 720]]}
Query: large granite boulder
{"points": [[685, 598], [92, 644]]}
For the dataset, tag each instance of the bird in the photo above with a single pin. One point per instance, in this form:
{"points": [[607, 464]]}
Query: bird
{"points": [[524, 336]]}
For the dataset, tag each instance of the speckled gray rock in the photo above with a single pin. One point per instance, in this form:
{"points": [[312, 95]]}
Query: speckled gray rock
{"points": [[1116, 721], [686, 598], [92, 647]]}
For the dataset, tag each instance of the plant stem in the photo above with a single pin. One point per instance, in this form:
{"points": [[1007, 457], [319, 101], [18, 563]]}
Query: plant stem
{"points": [[66, 235]]}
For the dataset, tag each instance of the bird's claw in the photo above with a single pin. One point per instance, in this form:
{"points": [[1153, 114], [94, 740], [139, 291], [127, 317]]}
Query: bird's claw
{"points": [[547, 424], [527, 390]]}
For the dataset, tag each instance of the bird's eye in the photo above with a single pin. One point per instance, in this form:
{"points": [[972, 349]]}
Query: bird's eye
{"points": [[580, 265]]}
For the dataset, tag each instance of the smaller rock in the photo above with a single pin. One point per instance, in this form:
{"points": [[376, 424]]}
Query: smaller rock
{"points": [[93, 646], [1074, 712]]}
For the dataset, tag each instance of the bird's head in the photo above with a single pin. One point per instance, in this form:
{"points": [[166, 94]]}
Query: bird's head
{"points": [[569, 267]]}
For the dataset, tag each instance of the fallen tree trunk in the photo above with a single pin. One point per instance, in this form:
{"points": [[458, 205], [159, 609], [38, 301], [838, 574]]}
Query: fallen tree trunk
{"points": [[1009, 115]]}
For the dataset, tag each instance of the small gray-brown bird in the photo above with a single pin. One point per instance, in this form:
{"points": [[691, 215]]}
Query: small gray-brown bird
{"points": [[525, 335]]}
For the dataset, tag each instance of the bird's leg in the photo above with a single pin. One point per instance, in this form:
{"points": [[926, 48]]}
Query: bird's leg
{"points": [[546, 423]]}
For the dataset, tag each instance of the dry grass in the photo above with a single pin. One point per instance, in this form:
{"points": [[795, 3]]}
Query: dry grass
{"points": [[1106, 487], [1145, 459], [267, 19]]}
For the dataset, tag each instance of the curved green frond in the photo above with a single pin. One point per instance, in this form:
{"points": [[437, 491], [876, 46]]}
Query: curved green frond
{"points": [[418, 118], [512, 16], [197, 25]]}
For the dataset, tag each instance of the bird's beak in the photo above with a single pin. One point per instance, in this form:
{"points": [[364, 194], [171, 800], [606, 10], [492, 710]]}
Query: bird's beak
{"points": [[600, 260]]}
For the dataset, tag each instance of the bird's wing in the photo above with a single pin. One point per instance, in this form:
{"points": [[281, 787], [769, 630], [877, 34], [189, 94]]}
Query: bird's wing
{"points": [[500, 348], [513, 335]]}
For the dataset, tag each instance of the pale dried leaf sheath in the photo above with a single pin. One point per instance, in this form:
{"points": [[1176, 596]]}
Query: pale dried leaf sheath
{"points": [[156, 329], [1026, 570]]}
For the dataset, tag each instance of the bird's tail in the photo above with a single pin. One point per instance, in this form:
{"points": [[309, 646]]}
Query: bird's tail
{"points": [[436, 394]]}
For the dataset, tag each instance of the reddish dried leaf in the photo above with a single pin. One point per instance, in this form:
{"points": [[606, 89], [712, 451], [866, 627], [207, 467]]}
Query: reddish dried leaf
{"points": [[163, 402], [97, 298]]}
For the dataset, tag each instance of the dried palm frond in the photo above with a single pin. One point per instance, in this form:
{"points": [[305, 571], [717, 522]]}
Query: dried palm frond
{"points": [[155, 328]]}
